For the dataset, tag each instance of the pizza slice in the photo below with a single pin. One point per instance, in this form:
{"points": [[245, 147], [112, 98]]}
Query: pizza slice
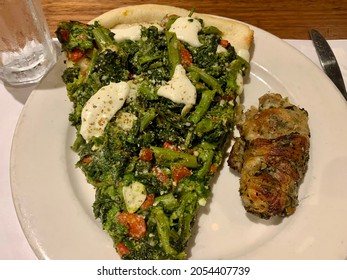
{"points": [[153, 90]]}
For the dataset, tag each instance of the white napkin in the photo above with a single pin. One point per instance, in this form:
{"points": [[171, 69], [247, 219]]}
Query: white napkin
{"points": [[13, 244], [339, 48]]}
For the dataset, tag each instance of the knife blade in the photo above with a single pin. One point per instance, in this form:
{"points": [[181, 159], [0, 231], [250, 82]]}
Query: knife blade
{"points": [[328, 60]]}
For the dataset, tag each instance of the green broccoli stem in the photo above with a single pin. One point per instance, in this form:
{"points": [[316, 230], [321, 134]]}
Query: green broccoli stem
{"points": [[208, 79], [207, 157], [203, 106], [163, 229], [186, 223], [170, 21], [211, 30], [147, 117], [102, 38], [238, 66], [204, 126], [146, 59], [189, 138], [173, 51], [84, 76], [167, 201], [185, 215], [192, 11], [91, 65], [168, 157]]}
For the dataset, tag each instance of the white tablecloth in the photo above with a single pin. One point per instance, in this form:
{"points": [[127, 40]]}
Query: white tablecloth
{"points": [[13, 244]]}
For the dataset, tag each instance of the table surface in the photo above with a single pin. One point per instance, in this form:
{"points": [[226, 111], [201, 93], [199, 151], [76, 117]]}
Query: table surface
{"points": [[285, 19]]}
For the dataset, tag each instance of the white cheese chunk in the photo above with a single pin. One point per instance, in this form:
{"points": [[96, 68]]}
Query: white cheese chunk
{"points": [[244, 54], [239, 82], [187, 29], [132, 33], [126, 120], [133, 91], [147, 25], [101, 107], [221, 49], [179, 89], [202, 201], [134, 195]]}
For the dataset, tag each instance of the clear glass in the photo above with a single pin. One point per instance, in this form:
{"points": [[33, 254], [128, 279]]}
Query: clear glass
{"points": [[26, 48]]}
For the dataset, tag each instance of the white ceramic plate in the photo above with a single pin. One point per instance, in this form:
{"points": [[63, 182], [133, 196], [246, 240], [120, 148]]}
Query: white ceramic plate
{"points": [[54, 202]]}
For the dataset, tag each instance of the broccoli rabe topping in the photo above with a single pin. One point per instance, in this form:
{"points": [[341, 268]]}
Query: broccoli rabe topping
{"points": [[152, 163]]}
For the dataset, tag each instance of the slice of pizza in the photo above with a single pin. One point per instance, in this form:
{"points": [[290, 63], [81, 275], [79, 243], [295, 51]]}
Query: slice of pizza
{"points": [[153, 90]]}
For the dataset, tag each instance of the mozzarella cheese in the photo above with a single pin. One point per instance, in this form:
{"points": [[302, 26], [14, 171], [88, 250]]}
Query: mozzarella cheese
{"points": [[244, 54], [101, 107], [239, 82], [132, 33], [126, 120], [220, 49], [187, 29], [179, 89], [134, 195]]}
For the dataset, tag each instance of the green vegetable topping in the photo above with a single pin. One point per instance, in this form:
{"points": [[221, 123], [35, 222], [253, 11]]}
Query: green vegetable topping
{"points": [[152, 165]]}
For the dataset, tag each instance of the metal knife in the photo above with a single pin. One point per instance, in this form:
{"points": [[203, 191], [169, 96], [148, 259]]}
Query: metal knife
{"points": [[328, 60]]}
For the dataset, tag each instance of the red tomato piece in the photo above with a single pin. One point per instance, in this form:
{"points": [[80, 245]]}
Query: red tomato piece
{"points": [[169, 145], [224, 43], [64, 34], [213, 168], [180, 171], [135, 223], [75, 55], [122, 249], [146, 154], [186, 57], [148, 201], [87, 159], [161, 176]]}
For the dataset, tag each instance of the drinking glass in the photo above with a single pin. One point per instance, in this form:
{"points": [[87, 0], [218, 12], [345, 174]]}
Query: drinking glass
{"points": [[26, 48]]}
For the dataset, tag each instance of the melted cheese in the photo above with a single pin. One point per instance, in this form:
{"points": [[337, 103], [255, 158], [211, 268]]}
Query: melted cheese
{"points": [[239, 82], [126, 120], [220, 49], [179, 89], [101, 107], [132, 33], [244, 54], [134, 195], [187, 29]]}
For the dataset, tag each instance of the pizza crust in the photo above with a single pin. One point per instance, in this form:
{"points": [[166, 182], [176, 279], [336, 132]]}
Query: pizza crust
{"points": [[237, 33]]}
